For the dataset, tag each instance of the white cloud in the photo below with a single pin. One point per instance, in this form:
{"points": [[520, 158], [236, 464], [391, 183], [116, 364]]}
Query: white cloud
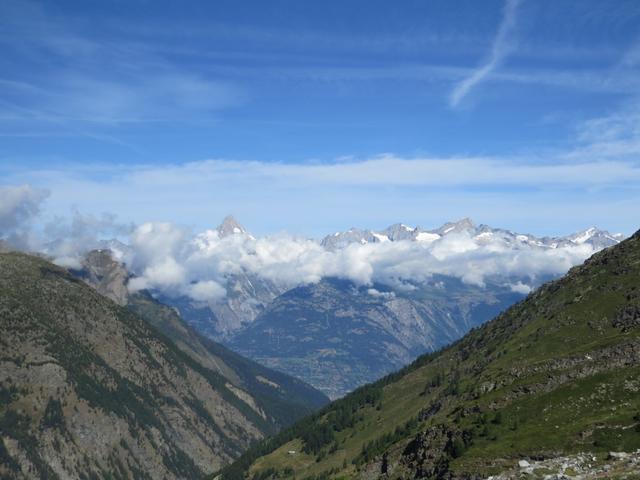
{"points": [[502, 46], [613, 135], [520, 287], [516, 192], [18, 205], [172, 259], [73, 262], [165, 258], [89, 80], [207, 291], [65, 239], [376, 293]]}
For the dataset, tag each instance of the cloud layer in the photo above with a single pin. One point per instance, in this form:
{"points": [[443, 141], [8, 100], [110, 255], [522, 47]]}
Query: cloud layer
{"points": [[177, 261], [170, 259]]}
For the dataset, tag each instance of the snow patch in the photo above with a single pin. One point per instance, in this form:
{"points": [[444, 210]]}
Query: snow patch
{"points": [[584, 236], [427, 237], [381, 237], [484, 236]]}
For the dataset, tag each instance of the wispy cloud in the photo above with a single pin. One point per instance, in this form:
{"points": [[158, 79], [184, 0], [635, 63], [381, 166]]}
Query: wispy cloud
{"points": [[502, 46], [89, 78], [175, 261], [370, 192]]}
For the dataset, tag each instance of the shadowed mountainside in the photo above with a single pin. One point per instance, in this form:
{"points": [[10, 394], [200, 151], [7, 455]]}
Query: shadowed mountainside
{"points": [[89, 389]]}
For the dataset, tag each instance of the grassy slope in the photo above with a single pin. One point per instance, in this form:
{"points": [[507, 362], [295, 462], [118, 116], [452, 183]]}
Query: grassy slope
{"points": [[554, 374]]}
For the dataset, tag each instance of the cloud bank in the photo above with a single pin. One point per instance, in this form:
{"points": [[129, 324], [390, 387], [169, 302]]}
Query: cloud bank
{"points": [[177, 261], [169, 259]]}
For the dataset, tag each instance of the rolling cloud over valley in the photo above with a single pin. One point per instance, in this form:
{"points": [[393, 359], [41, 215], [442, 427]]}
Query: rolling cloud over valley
{"points": [[176, 260]]}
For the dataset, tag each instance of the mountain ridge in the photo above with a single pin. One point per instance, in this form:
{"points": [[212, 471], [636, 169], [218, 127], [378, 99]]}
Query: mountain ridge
{"points": [[254, 312], [338, 336], [87, 387], [397, 232], [109, 277]]}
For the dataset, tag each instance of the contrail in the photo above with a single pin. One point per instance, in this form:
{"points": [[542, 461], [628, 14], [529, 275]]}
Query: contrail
{"points": [[499, 50]]}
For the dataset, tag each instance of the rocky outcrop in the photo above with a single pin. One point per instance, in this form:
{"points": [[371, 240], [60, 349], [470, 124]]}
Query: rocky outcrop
{"points": [[105, 274], [429, 453], [628, 317], [586, 466]]}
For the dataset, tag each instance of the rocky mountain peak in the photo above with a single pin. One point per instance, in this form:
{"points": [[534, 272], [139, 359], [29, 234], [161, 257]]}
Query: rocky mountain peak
{"points": [[230, 226], [592, 232], [107, 275], [399, 231], [462, 225]]}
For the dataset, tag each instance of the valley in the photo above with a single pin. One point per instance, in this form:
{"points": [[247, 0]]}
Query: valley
{"points": [[556, 374]]}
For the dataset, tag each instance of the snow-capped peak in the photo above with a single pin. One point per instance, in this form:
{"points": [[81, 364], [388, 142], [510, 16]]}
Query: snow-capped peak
{"points": [[482, 235], [583, 236], [465, 224]]}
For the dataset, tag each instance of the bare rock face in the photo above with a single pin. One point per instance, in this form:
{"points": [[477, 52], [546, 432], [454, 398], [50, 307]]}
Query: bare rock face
{"points": [[108, 276], [230, 226], [429, 453], [627, 317], [247, 297]]}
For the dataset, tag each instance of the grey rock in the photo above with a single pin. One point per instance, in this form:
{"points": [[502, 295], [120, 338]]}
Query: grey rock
{"points": [[108, 276], [230, 226]]}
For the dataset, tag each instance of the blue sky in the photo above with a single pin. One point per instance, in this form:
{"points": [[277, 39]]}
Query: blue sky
{"points": [[317, 116]]}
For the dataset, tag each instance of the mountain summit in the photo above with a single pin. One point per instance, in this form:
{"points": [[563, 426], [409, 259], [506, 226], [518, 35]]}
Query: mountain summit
{"points": [[230, 226]]}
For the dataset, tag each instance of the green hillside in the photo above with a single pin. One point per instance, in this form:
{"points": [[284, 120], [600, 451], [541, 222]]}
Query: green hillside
{"points": [[556, 374]]}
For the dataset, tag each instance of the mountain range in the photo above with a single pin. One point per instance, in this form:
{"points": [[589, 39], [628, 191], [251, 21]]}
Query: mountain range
{"points": [[101, 381], [547, 389], [248, 293], [593, 236], [424, 289], [427, 288], [337, 335]]}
